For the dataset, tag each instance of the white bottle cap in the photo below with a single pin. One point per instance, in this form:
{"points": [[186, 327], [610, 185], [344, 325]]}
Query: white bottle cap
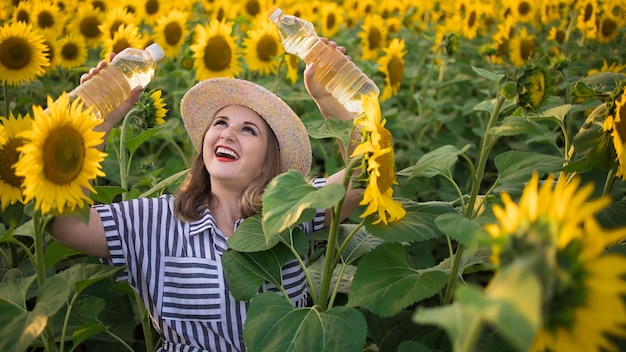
{"points": [[155, 51], [275, 14]]}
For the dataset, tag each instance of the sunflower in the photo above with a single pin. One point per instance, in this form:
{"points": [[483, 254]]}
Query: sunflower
{"points": [[72, 51], [51, 43], [152, 108], [586, 20], [522, 47], [332, 19], [606, 67], [554, 225], [153, 10], [262, 47], [523, 10], [46, 16], [608, 27], [22, 53], [615, 124], [216, 53], [372, 35], [378, 164], [171, 31], [124, 37], [86, 23], [392, 66], [532, 86], [23, 12], [10, 183], [60, 156], [115, 18]]}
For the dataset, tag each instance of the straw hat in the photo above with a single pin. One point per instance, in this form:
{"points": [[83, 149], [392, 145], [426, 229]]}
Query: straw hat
{"points": [[200, 104]]}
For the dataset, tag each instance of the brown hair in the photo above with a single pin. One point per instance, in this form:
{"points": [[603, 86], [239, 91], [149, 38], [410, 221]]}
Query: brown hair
{"points": [[194, 195]]}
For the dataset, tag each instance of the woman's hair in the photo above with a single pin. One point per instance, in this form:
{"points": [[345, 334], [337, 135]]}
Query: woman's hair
{"points": [[194, 195]]}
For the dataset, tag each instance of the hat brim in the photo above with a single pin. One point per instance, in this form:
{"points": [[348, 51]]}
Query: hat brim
{"points": [[202, 102]]}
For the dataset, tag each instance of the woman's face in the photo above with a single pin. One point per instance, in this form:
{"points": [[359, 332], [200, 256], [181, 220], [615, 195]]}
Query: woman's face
{"points": [[235, 146]]}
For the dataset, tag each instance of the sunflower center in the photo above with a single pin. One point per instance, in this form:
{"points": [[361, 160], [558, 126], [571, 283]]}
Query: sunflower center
{"points": [[64, 156], [15, 53], [374, 38], [22, 16], [173, 33], [609, 26], [331, 19], [45, 20], [9, 156], [152, 7], [217, 54], [588, 12], [569, 291], [69, 51], [253, 8], [387, 163], [89, 27], [523, 8], [114, 27], [120, 45], [396, 70], [527, 48], [266, 48]]}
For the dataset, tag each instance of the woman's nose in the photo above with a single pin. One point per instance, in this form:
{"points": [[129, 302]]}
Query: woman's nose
{"points": [[227, 135]]}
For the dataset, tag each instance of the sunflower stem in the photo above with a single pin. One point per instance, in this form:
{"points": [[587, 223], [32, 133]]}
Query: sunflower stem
{"points": [[40, 269], [610, 181], [485, 149], [327, 272], [124, 159]]}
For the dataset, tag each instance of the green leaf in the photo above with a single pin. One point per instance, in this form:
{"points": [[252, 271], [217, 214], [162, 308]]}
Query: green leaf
{"points": [[164, 183], [385, 283], [316, 270], [361, 243], [106, 194], [19, 327], [495, 77], [57, 252], [516, 125], [332, 128], [601, 83], [289, 200], [436, 162], [134, 143], [246, 272], [413, 346], [86, 331], [517, 167], [460, 324], [273, 324], [249, 237], [14, 290], [459, 228], [83, 275], [417, 225]]}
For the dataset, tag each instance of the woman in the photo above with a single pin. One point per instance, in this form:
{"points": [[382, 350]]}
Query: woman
{"points": [[171, 246]]}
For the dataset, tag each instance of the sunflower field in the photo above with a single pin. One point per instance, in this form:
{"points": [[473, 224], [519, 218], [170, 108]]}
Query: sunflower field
{"points": [[492, 163]]}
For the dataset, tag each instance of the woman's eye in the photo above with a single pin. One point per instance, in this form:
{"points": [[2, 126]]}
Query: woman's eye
{"points": [[250, 130], [219, 122]]}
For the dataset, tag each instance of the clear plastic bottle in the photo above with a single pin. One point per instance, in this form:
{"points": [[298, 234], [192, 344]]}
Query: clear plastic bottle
{"points": [[334, 70], [111, 86]]}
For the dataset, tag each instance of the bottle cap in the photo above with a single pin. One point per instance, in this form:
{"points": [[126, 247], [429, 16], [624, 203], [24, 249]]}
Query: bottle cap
{"points": [[274, 12], [155, 51]]}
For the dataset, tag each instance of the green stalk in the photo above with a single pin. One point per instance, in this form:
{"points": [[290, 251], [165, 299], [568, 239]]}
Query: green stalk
{"points": [[66, 321], [40, 270], [610, 181], [485, 148], [124, 160], [327, 273], [337, 259]]}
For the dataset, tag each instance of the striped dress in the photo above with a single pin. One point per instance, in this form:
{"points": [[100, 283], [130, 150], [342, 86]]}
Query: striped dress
{"points": [[176, 268]]}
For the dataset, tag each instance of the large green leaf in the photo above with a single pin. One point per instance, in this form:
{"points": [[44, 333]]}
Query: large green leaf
{"points": [[14, 290], [249, 237], [436, 162], [417, 225], [460, 228], [133, 143], [83, 275], [289, 200], [316, 269], [273, 324], [56, 252], [360, 243], [332, 128], [19, 327], [511, 303], [246, 272], [515, 167], [385, 283]]}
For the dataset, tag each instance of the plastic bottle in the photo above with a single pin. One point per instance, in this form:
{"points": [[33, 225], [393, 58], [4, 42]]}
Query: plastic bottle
{"points": [[111, 86], [334, 70]]}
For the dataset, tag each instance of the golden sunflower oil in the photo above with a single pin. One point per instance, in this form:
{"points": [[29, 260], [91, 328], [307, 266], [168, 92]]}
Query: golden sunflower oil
{"points": [[334, 70], [112, 85]]}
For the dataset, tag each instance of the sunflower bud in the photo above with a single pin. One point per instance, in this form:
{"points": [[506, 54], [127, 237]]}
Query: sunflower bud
{"points": [[509, 90], [532, 84]]}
